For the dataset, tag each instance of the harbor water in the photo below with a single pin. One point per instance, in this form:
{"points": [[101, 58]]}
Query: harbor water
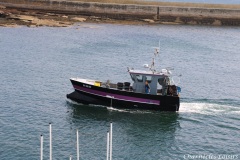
{"points": [[36, 64]]}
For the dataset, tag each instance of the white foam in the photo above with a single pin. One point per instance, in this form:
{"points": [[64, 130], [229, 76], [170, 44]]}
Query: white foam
{"points": [[198, 107], [115, 109], [208, 108], [128, 110], [73, 102]]}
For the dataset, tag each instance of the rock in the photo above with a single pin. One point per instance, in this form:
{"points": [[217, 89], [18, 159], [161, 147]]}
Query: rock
{"points": [[94, 17], [10, 25], [170, 23], [79, 19], [21, 17], [51, 14], [217, 23], [64, 16], [192, 22], [32, 26], [14, 17], [2, 7], [148, 20]]}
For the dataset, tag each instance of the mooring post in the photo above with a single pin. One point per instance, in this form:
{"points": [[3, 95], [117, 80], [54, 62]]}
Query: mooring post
{"points": [[77, 146], [41, 147], [50, 141], [107, 145], [110, 141], [70, 158]]}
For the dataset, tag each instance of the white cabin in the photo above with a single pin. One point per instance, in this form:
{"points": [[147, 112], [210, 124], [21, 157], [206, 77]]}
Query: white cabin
{"points": [[156, 80]]}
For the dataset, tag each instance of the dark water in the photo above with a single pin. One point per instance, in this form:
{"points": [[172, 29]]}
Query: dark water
{"points": [[36, 64]]}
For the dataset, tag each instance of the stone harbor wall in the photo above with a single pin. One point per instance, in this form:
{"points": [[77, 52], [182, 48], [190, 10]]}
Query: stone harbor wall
{"points": [[150, 13]]}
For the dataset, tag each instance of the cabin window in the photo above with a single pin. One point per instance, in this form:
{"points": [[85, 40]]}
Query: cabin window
{"points": [[149, 79], [160, 81], [133, 78], [139, 78], [164, 81]]}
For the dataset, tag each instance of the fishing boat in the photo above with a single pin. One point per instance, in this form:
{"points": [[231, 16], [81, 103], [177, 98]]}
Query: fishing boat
{"points": [[148, 89]]}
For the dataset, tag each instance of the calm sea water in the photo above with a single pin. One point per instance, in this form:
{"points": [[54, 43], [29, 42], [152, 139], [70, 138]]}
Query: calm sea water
{"points": [[36, 64]]}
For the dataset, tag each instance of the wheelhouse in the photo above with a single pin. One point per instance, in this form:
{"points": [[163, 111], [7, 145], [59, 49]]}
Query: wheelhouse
{"points": [[158, 82]]}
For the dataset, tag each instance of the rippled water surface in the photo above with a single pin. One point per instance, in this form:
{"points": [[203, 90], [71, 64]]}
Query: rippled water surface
{"points": [[36, 64]]}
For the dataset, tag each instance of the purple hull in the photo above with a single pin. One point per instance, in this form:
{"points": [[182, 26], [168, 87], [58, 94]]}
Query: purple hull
{"points": [[90, 94]]}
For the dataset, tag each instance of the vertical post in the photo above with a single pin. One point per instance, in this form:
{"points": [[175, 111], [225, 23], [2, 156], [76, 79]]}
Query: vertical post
{"points": [[107, 145], [41, 148], [110, 141], [70, 158], [77, 146], [158, 13], [50, 141]]}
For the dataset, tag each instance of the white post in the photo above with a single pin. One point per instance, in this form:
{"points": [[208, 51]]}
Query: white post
{"points": [[110, 140], [41, 148], [50, 141], [70, 158], [77, 146], [107, 145]]}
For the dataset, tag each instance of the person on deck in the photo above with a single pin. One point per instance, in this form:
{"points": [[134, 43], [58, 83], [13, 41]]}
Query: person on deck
{"points": [[147, 88]]}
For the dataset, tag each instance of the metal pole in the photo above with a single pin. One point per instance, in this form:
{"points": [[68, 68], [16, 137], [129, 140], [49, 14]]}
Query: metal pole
{"points": [[110, 137], [41, 148], [50, 141], [107, 145], [77, 146], [70, 158]]}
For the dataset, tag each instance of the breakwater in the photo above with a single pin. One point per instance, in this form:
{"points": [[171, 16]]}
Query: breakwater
{"points": [[154, 13]]}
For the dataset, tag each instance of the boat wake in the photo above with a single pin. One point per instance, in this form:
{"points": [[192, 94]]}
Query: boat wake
{"points": [[73, 102], [129, 110], [115, 109], [208, 108]]}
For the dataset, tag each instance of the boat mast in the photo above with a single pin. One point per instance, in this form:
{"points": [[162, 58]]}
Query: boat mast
{"points": [[156, 53]]}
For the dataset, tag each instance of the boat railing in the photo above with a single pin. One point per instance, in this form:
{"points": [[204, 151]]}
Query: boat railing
{"points": [[124, 86]]}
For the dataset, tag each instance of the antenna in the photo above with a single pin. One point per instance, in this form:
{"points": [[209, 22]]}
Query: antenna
{"points": [[157, 49], [159, 45], [156, 53]]}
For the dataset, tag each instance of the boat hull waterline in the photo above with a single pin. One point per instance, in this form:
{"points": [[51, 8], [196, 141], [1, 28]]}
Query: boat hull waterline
{"points": [[91, 94]]}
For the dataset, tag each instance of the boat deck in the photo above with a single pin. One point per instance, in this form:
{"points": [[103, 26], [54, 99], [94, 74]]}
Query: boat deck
{"points": [[117, 86]]}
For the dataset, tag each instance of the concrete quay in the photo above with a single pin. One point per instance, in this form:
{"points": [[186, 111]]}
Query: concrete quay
{"points": [[154, 14]]}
